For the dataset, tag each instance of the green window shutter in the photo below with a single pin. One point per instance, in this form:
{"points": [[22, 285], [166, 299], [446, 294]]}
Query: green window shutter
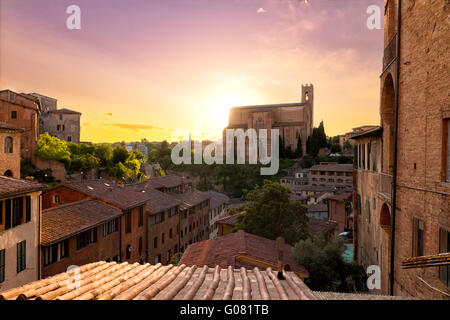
{"points": [[7, 214], [28, 209], [2, 265]]}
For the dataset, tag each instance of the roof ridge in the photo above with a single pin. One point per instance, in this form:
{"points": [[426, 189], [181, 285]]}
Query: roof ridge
{"points": [[64, 205]]}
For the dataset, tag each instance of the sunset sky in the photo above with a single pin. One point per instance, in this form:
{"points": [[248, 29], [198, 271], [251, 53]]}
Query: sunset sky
{"points": [[144, 68]]}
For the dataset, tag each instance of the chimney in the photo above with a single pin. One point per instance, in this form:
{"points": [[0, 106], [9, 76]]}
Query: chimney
{"points": [[182, 184], [280, 248]]}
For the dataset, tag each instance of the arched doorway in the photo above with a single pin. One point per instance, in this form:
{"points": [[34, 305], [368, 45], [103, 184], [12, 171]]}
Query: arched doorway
{"points": [[387, 121], [385, 247], [8, 173]]}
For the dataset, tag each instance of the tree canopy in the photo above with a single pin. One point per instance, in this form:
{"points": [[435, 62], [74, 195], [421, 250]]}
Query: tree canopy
{"points": [[270, 213]]}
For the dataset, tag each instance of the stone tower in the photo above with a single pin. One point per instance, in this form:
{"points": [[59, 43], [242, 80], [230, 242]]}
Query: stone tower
{"points": [[308, 98]]}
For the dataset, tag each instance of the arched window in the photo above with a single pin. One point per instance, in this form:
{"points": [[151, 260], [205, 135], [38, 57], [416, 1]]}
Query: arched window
{"points": [[8, 145], [128, 252]]}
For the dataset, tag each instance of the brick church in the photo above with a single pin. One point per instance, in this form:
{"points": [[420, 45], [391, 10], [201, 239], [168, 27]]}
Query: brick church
{"points": [[294, 120]]}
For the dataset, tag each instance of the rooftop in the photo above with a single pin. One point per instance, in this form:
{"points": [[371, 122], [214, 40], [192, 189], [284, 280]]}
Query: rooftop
{"points": [[190, 198], [121, 196], [320, 227], [270, 106], [69, 219], [340, 197], [64, 110], [229, 220], [10, 187], [310, 187], [333, 167], [217, 199], [239, 249], [316, 207], [124, 281]]}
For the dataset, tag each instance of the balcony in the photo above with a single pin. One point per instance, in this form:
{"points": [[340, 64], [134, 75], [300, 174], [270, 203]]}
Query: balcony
{"points": [[385, 185], [390, 52]]}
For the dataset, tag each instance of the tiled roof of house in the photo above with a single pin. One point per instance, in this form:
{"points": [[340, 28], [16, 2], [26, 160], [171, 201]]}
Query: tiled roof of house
{"points": [[69, 219], [64, 110], [124, 281], [340, 197], [190, 198], [311, 188], [229, 220], [332, 167], [122, 196], [318, 207], [11, 186], [160, 201], [217, 199], [320, 227], [168, 181], [225, 250], [297, 197]]}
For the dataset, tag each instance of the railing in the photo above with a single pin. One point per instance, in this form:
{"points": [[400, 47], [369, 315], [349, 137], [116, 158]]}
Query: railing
{"points": [[385, 184], [390, 52]]}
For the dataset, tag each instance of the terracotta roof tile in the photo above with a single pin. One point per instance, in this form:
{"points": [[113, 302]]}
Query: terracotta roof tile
{"points": [[112, 281], [69, 219], [124, 197], [223, 251], [320, 227], [11, 186], [217, 199], [229, 220]]}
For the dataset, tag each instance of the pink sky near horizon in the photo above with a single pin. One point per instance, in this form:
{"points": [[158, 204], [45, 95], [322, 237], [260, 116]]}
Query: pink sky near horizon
{"points": [[142, 69]]}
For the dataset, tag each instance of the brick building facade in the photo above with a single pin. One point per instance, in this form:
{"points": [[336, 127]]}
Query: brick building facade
{"points": [[422, 208], [10, 150], [21, 110], [293, 120]]}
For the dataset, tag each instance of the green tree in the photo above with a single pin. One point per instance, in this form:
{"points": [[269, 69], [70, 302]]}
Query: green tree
{"points": [[270, 213], [52, 148], [318, 139], [299, 151], [324, 262], [104, 152], [120, 154]]}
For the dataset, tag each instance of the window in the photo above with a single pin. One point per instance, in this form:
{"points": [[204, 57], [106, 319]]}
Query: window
{"points": [[12, 97], [60, 117], [168, 254], [363, 160], [374, 156], [140, 246], [13, 114], [56, 198], [128, 222], [175, 249], [63, 127], [157, 218], [2, 265], [358, 204], [447, 149], [359, 156], [444, 246], [86, 238], [368, 211], [368, 156], [128, 252], [418, 235], [50, 254], [172, 212], [27, 208], [141, 216], [64, 249], [170, 234], [162, 238], [21, 256], [58, 127], [155, 242], [157, 260], [355, 157], [8, 145], [374, 204], [363, 256], [17, 211], [110, 227], [69, 138], [7, 214]]}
